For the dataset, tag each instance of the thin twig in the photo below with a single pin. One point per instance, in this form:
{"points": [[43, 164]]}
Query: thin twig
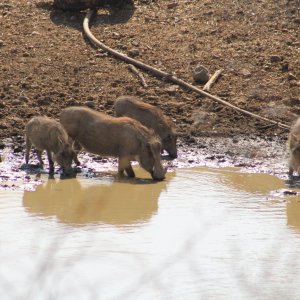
{"points": [[135, 71], [212, 80], [165, 75]]}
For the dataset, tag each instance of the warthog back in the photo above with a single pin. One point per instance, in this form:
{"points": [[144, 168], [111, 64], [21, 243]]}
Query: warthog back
{"points": [[151, 117]]}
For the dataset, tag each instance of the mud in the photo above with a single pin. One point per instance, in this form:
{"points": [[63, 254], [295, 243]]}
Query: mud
{"points": [[249, 154]]}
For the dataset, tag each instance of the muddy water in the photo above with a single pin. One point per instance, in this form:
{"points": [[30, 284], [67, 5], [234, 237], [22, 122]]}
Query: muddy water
{"points": [[200, 234]]}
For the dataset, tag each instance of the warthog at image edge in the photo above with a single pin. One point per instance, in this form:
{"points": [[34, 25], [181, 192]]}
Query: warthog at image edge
{"points": [[150, 116], [294, 148], [47, 134], [124, 138]]}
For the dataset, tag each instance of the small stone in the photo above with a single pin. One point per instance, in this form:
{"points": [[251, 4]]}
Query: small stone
{"points": [[133, 53], [275, 58], [172, 5], [13, 50], [201, 74], [285, 67], [116, 35], [44, 101], [3, 126], [16, 102], [291, 76], [246, 73], [90, 104], [1, 43], [26, 54], [171, 89], [297, 20]]}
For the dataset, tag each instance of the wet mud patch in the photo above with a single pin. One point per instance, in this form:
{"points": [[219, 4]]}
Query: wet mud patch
{"points": [[249, 154]]}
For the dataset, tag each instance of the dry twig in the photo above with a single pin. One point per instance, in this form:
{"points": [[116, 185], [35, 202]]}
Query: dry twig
{"points": [[166, 75], [212, 80], [135, 71]]}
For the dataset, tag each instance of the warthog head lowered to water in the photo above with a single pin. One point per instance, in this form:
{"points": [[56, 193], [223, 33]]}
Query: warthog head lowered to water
{"points": [[47, 134], [124, 138]]}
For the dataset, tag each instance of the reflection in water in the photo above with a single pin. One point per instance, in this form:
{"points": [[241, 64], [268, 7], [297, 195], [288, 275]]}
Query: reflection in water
{"points": [[264, 184], [251, 183], [293, 212], [117, 202], [216, 234]]}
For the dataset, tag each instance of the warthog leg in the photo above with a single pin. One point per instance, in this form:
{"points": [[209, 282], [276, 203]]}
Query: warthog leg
{"points": [[39, 155], [124, 165], [51, 163], [28, 147]]}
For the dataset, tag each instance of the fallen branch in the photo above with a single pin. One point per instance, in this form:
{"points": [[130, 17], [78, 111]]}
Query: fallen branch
{"points": [[212, 80], [166, 75], [135, 71]]}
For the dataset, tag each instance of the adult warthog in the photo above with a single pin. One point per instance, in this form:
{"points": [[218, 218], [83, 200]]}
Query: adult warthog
{"points": [[47, 134], [124, 138], [151, 117], [294, 148]]}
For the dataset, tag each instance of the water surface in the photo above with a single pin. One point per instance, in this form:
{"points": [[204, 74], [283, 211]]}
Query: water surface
{"points": [[200, 234]]}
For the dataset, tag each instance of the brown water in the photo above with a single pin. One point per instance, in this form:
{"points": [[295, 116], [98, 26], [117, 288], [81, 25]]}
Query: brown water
{"points": [[200, 234]]}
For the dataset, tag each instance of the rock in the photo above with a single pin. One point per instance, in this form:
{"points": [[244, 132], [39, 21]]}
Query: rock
{"points": [[291, 76], [292, 101], [3, 126], [275, 58], [89, 103], [13, 50], [1, 43], [297, 20], [245, 72], [172, 5], [200, 74], [201, 118], [44, 101], [285, 67], [133, 53], [16, 102], [172, 89]]}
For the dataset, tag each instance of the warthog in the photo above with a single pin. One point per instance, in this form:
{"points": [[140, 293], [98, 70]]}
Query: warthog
{"points": [[294, 148], [151, 117], [124, 138], [47, 134]]}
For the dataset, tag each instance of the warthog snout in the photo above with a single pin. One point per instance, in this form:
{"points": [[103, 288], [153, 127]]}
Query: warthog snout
{"points": [[159, 174], [65, 158], [150, 159]]}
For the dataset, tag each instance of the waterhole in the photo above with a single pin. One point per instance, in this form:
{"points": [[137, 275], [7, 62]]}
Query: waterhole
{"points": [[203, 233]]}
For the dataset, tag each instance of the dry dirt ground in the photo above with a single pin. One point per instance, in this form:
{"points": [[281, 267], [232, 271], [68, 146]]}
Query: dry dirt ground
{"points": [[46, 62]]}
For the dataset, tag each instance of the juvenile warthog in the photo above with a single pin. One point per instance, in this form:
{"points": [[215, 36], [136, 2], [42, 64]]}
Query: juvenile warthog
{"points": [[47, 134], [124, 138], [294, 148], [151, 117]]}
